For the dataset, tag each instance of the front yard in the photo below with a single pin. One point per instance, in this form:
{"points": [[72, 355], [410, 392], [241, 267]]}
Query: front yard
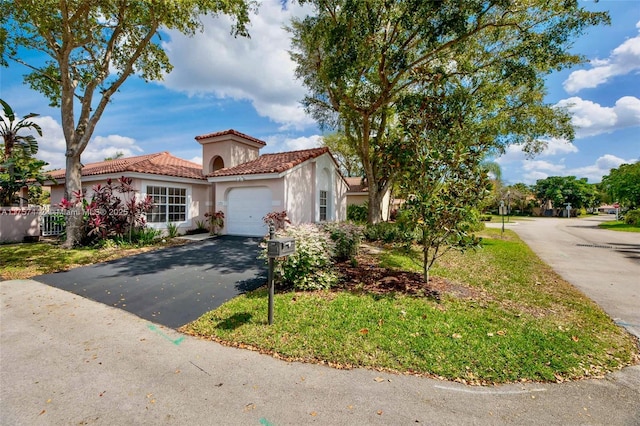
{"points": [[493, 316]]}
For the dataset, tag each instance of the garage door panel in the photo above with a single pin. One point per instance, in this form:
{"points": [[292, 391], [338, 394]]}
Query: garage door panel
{"points": [[246, 208]]}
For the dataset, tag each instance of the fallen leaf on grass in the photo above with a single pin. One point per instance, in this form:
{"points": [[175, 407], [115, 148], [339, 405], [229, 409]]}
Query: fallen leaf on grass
{"points": [[364, 331], [501, 332], [575, 338], [456, 335]]}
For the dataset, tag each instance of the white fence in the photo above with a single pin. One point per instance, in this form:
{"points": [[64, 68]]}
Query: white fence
{"points": [[51, 224]]}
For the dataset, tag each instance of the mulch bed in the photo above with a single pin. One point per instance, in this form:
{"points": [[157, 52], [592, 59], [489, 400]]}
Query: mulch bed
{"points": [[367, 276]]}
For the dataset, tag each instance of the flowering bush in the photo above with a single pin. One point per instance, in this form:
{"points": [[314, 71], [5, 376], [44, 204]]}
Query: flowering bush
{"points": [[280, 219], [311, 266], [107, 215], [216, 221]]}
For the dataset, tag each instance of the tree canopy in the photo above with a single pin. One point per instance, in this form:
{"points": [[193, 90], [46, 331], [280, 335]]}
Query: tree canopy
{"points": [[623, 185], [565, 189], [91, 48], [18, 167], [360, 58], [344, 154]]}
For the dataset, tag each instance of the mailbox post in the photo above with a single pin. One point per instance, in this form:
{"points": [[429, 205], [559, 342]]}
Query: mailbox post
{"points": [[276, 247]]}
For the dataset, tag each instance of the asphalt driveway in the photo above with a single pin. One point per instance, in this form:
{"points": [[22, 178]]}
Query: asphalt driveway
{"points": [[171, 286]]}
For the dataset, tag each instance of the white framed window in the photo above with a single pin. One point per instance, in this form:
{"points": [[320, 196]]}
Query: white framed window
{"points": [[170, 204], [323, 206]]}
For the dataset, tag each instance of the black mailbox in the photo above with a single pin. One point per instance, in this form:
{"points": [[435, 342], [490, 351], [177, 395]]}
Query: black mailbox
{"points": [[281, 247]]}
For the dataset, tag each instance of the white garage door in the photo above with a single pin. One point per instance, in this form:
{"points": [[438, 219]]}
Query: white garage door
{"points": [[246, 207]]}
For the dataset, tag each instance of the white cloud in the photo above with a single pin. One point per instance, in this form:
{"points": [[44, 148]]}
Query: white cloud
{"points": [[197, 159], [258, 69], [543, 169], [279, 143], [52, 145], [555, 146], [304, 142], [590, 118], [623, 60], [541, 165]]}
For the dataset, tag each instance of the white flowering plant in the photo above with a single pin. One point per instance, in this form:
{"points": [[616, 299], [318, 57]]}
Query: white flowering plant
{"points": [[311, 266]]}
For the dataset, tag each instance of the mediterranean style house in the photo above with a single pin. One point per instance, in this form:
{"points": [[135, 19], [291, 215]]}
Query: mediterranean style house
{"points": [[233, 178]]}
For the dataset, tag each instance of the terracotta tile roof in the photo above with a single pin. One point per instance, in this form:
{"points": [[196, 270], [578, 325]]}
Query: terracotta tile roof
{"points": [[357, 184], [271, 163], [230, 132], [161, 163]]}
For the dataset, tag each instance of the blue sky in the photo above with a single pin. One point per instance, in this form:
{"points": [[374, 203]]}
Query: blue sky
{"points": [[219, 82]]}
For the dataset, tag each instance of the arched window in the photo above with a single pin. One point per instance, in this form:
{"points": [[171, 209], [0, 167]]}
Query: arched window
{"points": [[216, 163]]}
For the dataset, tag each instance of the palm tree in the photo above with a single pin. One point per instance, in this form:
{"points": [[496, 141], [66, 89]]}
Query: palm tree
{"points": [[493, 168], [9, 128]]}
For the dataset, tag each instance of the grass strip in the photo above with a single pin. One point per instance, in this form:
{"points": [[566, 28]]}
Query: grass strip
{"points": [[618, 225]]}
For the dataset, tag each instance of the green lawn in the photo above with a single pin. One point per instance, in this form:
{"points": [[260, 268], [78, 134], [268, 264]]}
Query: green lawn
{"points": [[26, 260], [523, 322], [618, 225]]}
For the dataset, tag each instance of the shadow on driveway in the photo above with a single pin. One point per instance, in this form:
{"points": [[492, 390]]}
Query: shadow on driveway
{"points": [[171, 286]]}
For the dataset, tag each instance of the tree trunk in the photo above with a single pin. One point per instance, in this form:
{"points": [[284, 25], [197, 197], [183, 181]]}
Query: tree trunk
{"points": [[73, 184], [425, 257], [375, 203]]}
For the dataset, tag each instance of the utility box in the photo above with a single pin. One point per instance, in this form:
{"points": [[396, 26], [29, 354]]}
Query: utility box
{"points": [[281, 247]]}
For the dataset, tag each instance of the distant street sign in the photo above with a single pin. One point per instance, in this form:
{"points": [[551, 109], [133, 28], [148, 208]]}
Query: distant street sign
{"points": [[616, 205]]}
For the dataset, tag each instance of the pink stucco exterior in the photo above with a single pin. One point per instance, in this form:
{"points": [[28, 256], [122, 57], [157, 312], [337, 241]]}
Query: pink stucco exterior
{"points": [[199, 195], [18, 223]]}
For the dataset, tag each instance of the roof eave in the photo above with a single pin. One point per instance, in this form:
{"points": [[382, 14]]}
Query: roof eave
{"points": [[245, 177]]}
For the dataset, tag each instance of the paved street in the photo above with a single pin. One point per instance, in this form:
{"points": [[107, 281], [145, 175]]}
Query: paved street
{"points": [[603, 264], [67, 360]]}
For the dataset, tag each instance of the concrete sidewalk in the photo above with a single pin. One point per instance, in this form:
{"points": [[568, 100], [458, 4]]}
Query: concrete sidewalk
{"points": [[65, 359]]}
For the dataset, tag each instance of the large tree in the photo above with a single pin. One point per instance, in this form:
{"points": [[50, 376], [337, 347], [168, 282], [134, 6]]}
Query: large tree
{"points": [[623, 185], [345, 155], [18, 168], [358, 58], [91, 48], [560, 190]]}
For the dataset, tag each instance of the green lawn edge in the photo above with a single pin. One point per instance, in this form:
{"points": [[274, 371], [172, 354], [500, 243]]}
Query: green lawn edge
{"points": [[620, 226], [524, 324]]}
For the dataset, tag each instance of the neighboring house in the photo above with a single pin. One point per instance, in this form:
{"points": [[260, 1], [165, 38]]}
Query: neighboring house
{"points": [[233, 179], [607, 208], [358, 194]]}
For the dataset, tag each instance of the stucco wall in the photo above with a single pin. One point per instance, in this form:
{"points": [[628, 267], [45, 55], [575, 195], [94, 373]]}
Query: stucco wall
{"points": [[198, 198], [231, 151], [299, 190], [17, 223], [341, 188]]}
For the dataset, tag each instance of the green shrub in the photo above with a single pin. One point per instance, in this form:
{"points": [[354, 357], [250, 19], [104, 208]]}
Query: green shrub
{"points": [[391, 232], [172, 230], [358, 213], [347, 238], [632, 217], [139, 237], [311, 266]]}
